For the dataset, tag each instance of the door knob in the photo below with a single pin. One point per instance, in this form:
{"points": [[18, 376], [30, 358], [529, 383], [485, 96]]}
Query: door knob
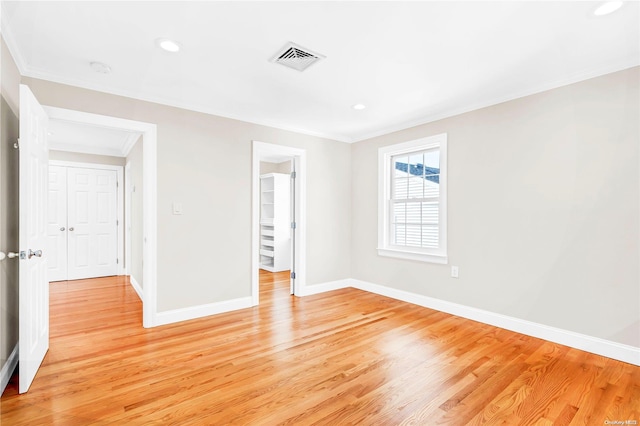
{"points": [[37, 253], [71, 229], [62, 228]]}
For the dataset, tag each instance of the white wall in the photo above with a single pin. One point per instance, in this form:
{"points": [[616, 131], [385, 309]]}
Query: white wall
{"points": [[267, 167], [135, 160], [543, 205], [8, 232], [543, 210], [204, 162], [10, 78], [8, 206]]}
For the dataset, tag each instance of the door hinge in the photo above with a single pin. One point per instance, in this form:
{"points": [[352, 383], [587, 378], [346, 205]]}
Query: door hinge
{"points": [[117, 222], [117, 261], [117, 184], [16, 144], [293, 275], [293, 175], [293, 225]]}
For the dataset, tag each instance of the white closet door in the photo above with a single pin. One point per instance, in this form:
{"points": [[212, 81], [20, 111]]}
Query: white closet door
{"points": [[57, 223], [92, 235]]}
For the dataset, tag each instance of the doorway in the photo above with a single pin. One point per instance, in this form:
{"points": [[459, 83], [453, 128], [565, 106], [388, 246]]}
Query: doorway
{"points": [[277, 237], [282, 161], [146, 138]]}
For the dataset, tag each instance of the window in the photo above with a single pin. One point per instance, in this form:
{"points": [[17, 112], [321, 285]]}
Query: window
{"points": [[412, 200]]}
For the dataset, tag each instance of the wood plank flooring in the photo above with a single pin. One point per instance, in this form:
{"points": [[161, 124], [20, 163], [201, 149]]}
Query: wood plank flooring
{"points": [[340, 358]]}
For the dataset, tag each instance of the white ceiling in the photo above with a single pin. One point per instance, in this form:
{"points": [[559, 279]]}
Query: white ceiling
{"points": [[409, 62]]}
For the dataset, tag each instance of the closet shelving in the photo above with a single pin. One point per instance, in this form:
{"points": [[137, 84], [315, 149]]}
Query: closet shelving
{"points": [[275, 224]]}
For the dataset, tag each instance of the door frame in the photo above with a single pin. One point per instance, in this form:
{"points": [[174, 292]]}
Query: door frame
{"points": [[127, 222], [120, 207], [149, 196], [263, 152]]}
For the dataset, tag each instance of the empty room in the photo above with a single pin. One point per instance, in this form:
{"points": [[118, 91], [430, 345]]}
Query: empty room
{"points": [[331, 212]]}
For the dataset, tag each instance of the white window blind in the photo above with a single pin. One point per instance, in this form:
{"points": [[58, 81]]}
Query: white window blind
{"points": [[415, 199]]}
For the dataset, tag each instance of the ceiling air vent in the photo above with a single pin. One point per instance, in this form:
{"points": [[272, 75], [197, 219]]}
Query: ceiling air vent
{"points": [[296, 57]]}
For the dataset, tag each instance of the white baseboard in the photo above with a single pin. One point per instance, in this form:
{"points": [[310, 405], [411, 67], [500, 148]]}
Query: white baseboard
{"points": [[8, 368], [321, 288], [625, 353], [614, 350], [184, 314], [136, 287]]}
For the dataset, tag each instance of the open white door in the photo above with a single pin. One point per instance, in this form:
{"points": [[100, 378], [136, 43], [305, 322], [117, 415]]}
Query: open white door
{"points": [[292, 277], [34, 284]]}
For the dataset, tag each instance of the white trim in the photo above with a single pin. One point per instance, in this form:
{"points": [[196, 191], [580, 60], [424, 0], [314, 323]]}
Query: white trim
{"points": [[263, 150], [324, 287], [193, 312], [127, 219], [385, 155], [583, 342], [409, 255], [149, 195], [8, 368], [120, 208], [136, 287], [150, 226]]}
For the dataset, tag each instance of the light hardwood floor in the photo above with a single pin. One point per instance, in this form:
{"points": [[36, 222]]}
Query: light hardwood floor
{"points": [[345, 357]]}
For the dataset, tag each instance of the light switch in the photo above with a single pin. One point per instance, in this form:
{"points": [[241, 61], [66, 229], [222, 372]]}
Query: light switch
{"points": [[454, 272], [177, 208]]}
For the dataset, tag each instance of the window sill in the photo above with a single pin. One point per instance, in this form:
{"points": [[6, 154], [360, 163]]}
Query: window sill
{"points": [[410, 255]]}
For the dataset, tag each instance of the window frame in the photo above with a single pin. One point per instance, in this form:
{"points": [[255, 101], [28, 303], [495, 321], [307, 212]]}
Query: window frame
{"points": [[385, 170]]}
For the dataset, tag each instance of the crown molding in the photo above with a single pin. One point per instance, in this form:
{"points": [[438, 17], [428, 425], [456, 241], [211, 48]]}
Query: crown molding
{"points": [[43, 75], [429, 117], [451, 112]]}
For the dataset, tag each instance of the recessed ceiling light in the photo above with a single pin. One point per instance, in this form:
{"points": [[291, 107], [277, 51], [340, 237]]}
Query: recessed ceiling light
{"points": [[100, 67], [359, 106], [607, 8], [168, 45]]}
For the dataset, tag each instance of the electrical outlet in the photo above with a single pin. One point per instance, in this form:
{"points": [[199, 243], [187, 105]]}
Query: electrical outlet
{"points": [[454, 271]]}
